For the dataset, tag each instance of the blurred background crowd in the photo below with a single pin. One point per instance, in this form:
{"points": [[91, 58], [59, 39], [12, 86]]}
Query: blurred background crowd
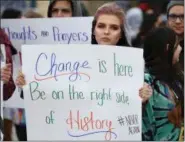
{"points": [[90, 6]]}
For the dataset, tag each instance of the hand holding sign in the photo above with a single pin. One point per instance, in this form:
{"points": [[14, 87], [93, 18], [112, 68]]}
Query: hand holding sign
{"points": [[145, 92], [20, 80], [6, 73]]}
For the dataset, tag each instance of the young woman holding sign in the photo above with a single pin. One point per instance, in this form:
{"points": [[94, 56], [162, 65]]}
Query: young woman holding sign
{"points": [[107, 29], [163, 115]]}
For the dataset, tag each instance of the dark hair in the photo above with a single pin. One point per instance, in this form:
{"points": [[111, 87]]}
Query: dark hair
{"points": [[85, 11], [110, 8], [53, 3], [159, 47], [11, 14], [147, 25]]}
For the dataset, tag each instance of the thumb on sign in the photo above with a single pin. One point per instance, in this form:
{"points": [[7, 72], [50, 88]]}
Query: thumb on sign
{"points": [[145, 92]]}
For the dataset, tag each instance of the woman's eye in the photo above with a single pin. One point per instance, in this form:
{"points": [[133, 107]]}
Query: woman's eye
{"points": [[115, 28], [101, 26], [55, 10]]}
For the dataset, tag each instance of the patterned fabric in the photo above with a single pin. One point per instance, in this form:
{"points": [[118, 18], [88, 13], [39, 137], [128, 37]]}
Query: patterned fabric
{"points": [[9, 87], [155, 123]]}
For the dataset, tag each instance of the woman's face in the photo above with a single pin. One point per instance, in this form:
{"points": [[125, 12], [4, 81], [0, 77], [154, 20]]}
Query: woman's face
{"points": [[176, 54], [107, 29]]}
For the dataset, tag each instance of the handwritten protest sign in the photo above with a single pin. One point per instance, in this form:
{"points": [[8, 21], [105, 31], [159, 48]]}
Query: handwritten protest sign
{"points": [[75, 30], [43, 31], [82, 92]]}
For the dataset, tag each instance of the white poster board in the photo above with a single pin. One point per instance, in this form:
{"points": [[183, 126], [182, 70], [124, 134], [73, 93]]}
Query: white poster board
{"points": [[76, 30], [83, 92]]}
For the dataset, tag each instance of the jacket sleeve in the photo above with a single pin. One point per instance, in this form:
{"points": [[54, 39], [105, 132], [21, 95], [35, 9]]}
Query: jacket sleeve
{"points": [[9, 87], [148, 119]]}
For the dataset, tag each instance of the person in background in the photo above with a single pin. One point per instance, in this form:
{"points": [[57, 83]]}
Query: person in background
{"points": [[134, 19], [148, 23], [163, 113], [175, 19], [124, 4], [64, 8], [10, 114], [6, 77], [175, 16], [8, 88], [11, 14], [85, 11]]}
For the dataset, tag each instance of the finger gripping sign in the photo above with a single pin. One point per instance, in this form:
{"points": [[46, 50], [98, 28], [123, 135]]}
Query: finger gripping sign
{"points": [[82, 92]]}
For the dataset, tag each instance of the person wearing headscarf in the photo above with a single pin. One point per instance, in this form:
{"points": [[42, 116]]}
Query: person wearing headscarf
{"points": [[64, 8]]}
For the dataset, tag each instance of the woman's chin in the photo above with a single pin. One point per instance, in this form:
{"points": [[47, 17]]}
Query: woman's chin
{"points": [[105, 43]]}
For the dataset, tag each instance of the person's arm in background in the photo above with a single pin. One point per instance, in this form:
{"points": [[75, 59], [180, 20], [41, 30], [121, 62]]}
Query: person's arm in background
{"points": [[8, 83], [9, 86]]}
